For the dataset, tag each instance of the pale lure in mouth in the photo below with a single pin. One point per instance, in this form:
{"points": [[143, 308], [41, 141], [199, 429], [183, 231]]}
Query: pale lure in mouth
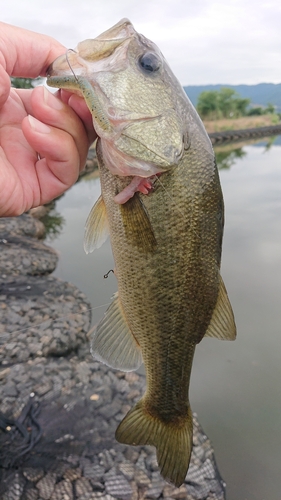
{"points": [[121, 164], [138, 184]]}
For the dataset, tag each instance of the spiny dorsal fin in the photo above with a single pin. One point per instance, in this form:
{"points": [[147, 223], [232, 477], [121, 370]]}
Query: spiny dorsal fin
{"points": [[137, 225], [113, 342], [222, 325], [96, 229], [173, 442]]}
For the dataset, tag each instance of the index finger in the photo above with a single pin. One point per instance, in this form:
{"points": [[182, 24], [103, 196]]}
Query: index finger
{"points": [[27, 54]]}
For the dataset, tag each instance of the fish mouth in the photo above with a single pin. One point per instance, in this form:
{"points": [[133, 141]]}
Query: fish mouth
{"points": [[78, 71], [106, 52]]}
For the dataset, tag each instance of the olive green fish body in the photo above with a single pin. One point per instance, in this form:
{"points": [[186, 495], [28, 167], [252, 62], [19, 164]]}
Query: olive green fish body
{"points": [[162, 205]]}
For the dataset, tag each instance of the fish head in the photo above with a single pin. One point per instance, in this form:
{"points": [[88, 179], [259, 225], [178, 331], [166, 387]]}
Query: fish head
{"points": [[134, 98]]}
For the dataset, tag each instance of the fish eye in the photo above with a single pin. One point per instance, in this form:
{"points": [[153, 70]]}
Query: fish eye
{"points": [[149, 62]]}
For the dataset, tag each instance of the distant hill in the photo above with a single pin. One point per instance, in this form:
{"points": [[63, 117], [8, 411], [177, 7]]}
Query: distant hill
{"points": [[260, 94]]}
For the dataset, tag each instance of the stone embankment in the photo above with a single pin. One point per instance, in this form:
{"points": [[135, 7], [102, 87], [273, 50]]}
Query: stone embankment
{"points": [[58, 407], [248, 133]]}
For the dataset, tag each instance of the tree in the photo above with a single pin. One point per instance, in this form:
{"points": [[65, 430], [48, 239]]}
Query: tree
{"points": [[270, 108], [256, 111], [225, 103], [208, 104], [230, 103], [259, 110]]}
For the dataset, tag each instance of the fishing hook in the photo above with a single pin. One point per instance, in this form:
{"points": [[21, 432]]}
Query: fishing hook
{"points": [[110, 271]]}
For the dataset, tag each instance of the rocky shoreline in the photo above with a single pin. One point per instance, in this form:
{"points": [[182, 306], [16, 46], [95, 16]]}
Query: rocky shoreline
{"points": [[59, 407]]}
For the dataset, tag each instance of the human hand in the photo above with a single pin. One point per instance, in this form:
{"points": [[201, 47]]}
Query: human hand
{"points": [[44, 138]]}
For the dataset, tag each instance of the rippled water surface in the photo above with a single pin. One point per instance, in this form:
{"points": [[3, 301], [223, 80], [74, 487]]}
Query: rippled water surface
{"points": [[235, 386]]}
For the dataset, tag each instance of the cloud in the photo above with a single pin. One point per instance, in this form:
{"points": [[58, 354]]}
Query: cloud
{"points": [[204, 41]]}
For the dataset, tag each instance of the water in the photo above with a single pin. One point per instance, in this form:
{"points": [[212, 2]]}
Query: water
{"points": [[235, 386]]}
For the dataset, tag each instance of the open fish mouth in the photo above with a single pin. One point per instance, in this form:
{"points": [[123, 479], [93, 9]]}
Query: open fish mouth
{"points": [[80, 61], [107, 52]]}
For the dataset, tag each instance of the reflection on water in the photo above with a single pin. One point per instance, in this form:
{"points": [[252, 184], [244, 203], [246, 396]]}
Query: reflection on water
{"points": [[227, 158], [54, 223], [235, 386], [226, 155]]}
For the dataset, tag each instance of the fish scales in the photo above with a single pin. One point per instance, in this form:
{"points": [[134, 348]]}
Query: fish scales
{"points": [[162, 205], [170, 291]]}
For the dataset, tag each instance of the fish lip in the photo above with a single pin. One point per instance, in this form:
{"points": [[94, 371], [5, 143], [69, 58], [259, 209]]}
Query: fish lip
{"points": [[50, 72], [123, 27], [64, 66]]}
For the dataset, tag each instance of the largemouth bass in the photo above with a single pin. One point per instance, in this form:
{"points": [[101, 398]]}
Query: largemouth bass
{"points": [[162, 205]]}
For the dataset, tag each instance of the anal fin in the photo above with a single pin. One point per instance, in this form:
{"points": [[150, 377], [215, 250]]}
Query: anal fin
{"points": [[222, 325], [113, 342]]}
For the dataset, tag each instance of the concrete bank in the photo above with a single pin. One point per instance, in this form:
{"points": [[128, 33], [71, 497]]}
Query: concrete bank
{"points": [[238, 135]]}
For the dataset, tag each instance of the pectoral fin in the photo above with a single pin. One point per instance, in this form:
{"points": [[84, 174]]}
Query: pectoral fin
{"points": [[137, 225], [113, 342], [96, 229], [222, 325]]}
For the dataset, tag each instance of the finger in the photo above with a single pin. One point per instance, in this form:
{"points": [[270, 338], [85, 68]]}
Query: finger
{"points": [[26, 53], [59, 165], [5, 85], [74, 101], [48, 109], [81, 109]]}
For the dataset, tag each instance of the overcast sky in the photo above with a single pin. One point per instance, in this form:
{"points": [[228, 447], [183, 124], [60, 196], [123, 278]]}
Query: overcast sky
{"points": [[204, 41]]}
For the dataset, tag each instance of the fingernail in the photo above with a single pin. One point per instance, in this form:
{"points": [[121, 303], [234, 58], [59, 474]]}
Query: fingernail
{"points": [[38, 126], [51, 100]]}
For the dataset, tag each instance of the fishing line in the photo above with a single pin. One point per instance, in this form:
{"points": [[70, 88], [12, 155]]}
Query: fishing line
{"points": [[91, 98], [68, 62], [168, 194]]}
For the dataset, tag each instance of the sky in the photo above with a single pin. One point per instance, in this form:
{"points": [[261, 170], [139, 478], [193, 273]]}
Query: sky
{"points": [[204, 41]]}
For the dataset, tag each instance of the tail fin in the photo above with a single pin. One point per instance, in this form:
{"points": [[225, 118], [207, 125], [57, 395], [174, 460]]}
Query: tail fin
{"points": [[173, 442]]}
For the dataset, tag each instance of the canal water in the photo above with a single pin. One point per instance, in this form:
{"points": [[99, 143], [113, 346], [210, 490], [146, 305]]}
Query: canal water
{"points": [[235, 386]]}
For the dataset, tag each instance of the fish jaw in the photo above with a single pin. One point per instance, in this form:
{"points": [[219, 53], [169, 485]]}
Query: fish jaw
{"points": [[71, 71]]}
